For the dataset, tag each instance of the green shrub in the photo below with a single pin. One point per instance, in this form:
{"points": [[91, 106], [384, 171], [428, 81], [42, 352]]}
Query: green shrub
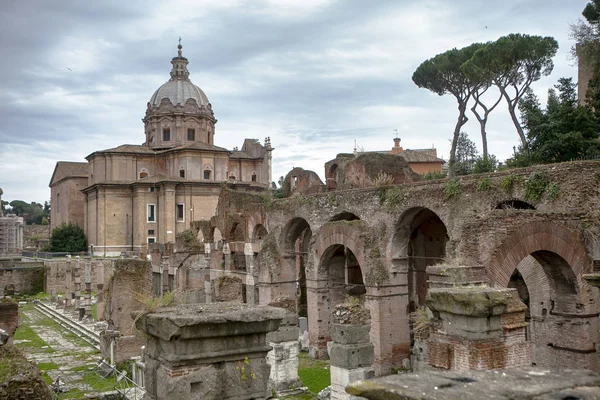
{"points": [[536, 185], [553, 191], [488, 164], [484, 185], [395, 196], [68, 238], [452, 188], [509, 181], [432, 175]]}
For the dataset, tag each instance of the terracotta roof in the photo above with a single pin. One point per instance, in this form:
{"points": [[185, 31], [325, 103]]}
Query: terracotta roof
{"points": [[128, 148], [72, 169], [414, 156], [200, 146], [69, 169], [235, 154], [420, 155]]}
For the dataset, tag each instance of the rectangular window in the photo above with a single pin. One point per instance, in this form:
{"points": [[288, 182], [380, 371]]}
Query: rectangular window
{"points": [[191, 135], [206, 174], [180, 212], [182, 173], [151, 189], [150, 216], [151, 240], [150, 231], [166, 135]]}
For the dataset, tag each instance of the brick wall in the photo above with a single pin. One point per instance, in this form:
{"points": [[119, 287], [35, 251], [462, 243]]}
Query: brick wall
{"points": [[9, 318]]}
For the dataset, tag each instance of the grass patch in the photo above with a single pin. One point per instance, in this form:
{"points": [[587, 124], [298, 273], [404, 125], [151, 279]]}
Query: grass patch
{"points": [[94, 311], [47, 366], [314, 373], [33, 341]]}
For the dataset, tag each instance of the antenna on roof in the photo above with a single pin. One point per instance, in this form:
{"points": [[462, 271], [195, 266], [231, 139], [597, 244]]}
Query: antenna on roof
{"points": [[396, 130]]}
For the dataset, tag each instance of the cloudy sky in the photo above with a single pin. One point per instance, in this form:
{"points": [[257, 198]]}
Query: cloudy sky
{"points": [[314, 75]]}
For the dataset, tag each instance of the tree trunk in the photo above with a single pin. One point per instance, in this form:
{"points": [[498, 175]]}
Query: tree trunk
{"points": [[462, 119], [512, 105], [482, 124]]}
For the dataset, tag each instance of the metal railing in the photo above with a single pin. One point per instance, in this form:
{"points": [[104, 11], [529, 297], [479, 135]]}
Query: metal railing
{"points": [[46, 255]]}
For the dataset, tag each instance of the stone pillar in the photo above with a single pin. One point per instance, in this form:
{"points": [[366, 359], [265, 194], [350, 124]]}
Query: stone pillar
{"points": [[283, 359], [249, 255], [69, 287], [251, 287], [477, 328], [87, 277], [77, 288], [208, 351], [350, 352], [318, 306], [390, 336], [208, 291], [226, 257]]}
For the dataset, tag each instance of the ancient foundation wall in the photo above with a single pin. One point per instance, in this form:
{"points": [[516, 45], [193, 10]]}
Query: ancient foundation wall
{"points": [[22, 278]]}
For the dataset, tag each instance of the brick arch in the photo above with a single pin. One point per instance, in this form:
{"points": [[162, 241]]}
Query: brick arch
{"points": [[536, 237], [291, 232], [337, 234]]}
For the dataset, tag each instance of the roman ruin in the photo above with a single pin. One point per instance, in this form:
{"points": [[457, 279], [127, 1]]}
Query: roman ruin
{"points": [[199, 275]]}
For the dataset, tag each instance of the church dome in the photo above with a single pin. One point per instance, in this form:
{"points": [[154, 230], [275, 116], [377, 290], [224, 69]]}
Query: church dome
{"points": [[179, 88]]}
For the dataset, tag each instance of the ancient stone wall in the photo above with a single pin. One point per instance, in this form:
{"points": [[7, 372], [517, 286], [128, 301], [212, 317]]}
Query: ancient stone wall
{"points": [[496, 222], [21, 277], [128, 291], [35, 236], [302, 181]]}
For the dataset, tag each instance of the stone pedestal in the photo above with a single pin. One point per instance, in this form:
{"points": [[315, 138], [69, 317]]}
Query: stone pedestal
{"points": [[283, 359], [351, 354], [208, 351], [108, 345], [477, 328]]}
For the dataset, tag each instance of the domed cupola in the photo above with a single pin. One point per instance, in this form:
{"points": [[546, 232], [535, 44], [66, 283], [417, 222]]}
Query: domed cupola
{"points": [[178, 112]]}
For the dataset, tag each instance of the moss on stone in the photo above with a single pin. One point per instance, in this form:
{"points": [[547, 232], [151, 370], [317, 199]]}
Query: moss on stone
{"points": [[474, 301], [20, 379]]}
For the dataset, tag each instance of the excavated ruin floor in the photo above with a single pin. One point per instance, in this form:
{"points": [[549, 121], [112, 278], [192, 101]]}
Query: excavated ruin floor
{"points": [[60, 354]]}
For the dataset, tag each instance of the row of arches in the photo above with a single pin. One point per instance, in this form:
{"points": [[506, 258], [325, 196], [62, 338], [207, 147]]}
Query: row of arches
{"points": [[545, 271]]}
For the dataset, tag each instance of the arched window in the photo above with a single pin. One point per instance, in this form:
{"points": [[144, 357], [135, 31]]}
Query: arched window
{"points": [[143, 173]]}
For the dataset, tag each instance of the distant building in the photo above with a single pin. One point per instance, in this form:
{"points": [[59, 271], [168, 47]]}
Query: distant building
{"points": [[67, 200], [139, 194], [421, 161], [11, 233]]}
